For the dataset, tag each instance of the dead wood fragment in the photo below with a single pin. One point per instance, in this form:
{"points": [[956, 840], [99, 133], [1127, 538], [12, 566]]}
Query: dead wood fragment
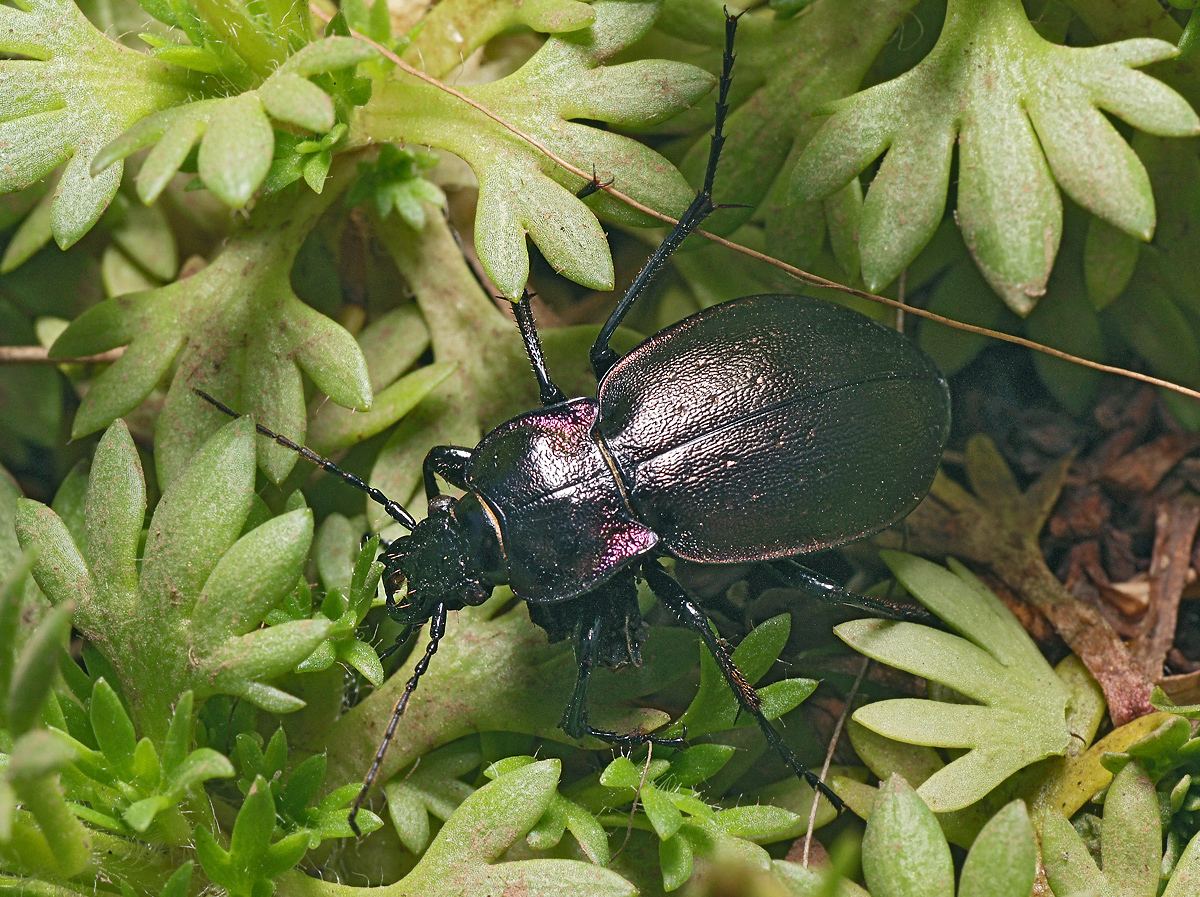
{"points": [[1081, 514], [998, 527], [1118, 410], [1183, 689], [1181, 663], [1175, 534], [1032, 619], [1140, 471]]}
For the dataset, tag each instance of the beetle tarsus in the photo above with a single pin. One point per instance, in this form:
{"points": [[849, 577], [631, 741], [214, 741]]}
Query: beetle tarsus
{"points": [[437, 629], [574, 720], [593, 185]]}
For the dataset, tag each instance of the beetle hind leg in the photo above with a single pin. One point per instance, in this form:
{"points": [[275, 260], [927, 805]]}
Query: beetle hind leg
{"points": [[813, 585], [602, 356], [671, 594]]}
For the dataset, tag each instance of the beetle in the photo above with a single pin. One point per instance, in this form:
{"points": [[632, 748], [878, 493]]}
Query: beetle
{"points": [[762, 428]]}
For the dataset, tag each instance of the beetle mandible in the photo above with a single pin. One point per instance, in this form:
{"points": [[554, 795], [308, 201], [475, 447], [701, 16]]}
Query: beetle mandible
{"points": [[762, 428]]}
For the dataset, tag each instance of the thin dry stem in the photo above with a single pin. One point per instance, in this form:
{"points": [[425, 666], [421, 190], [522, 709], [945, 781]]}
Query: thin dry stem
{"points": [[41, 355], [797, 273], [833, 740]]}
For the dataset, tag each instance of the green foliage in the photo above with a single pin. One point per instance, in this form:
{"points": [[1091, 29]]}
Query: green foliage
{"points": [[520, 190], [715, 706], [784, 74], [237, 143], [1009, 707], [292, 791], [224, 695], [1025, 115], [1130, 843], [684, 824], [197, 590], [75, 90], [345, 606], [44, 835], [237, 329], [1170, 757], [463, 857], [906, 855], [431, 789], [253, 858], [394, 182]]}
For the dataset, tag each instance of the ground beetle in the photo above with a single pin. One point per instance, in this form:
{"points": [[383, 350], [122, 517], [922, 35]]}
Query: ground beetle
{"points": [[758, 429]]}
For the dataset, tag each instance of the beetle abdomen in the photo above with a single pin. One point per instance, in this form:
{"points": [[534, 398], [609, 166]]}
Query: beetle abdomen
{"points": [[773, 425]]}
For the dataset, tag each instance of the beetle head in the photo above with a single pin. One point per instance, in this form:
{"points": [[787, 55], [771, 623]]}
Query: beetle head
{"points": [[439, 564]]}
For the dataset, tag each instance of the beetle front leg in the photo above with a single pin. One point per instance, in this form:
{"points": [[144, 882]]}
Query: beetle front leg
{"points": [[549, 393], [671, 594], [450, 463], [574, 721], [437, 629]]}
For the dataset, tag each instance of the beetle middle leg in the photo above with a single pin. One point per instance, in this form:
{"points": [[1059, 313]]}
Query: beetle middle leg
{"points": [[602, 356], [671, 594], [574, 721]]}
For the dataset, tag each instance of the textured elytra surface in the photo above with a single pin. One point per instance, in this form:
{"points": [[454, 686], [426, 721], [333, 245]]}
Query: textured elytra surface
{"points": [[771, 426]]}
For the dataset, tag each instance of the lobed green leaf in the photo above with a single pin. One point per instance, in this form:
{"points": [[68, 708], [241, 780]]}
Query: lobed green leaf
{"points": [[520, 190], [1020, 716], [1025, 114]]}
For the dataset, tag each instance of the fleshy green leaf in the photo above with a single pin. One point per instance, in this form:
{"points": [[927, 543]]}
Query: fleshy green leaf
{"points": [[1004, 858], [290, 98], [113, 728], [521, 191], [254, 575], [75, 91], [453, 30], [1025, 114], [1018, 714], [904, 851], [114, 512], [462, 856], [432, 788], [192, 559], [236, 150], [334, 428], [237, 143], [1131, 843]]}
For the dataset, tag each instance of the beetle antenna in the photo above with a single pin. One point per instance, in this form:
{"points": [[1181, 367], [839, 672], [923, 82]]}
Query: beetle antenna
{"points": [[394, 509], [437, 628]]}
